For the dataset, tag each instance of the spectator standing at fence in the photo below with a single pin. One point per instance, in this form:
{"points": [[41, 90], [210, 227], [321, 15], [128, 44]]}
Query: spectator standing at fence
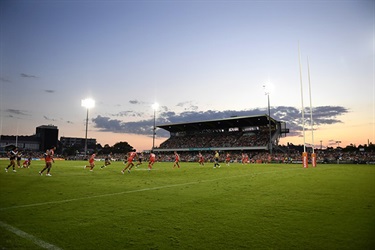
{"points": [[176, 160]]}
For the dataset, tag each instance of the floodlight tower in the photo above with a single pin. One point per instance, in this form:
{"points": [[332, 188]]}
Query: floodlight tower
{"points": [[154, 106], [267, 89], [87, 103]]}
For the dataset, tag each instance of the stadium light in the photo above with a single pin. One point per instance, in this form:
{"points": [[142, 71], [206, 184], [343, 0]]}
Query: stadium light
{"points": [[154, 106], [87, 103], [267, 88]]}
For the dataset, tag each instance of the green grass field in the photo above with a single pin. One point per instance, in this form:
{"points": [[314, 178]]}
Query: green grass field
{"points": [[237, 207]]}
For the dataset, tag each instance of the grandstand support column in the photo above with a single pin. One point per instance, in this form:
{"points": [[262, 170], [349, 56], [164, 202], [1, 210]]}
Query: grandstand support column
{"points": [[155, 106]]}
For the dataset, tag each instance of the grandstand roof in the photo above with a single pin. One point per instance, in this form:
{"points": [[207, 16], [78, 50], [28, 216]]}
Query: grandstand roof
{"points": [[233, 122]]}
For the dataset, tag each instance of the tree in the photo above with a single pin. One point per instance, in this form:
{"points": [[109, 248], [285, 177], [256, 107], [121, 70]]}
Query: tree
{"points": [[122, 147], [106, 149], [350, 148]]}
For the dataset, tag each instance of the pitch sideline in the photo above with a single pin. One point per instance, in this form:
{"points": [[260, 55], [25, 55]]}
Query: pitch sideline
{"points": [[30, 237]]}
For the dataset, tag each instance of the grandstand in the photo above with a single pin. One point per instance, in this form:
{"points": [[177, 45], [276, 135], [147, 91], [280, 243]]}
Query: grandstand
{"points": [[231, 134]]}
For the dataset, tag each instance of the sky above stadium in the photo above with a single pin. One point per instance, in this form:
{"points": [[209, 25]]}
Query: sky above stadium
{"points": [[200, 60]]}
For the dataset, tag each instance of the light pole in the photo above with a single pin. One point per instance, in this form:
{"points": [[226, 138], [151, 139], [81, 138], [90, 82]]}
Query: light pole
{"points": [[154, 106], [267, 92], [87, 103]]}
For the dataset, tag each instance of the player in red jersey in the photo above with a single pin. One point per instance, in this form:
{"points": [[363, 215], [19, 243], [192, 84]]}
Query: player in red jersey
{"points": [[91, 162], [245, 159], [227, 159], [27, 163], [48, 157], [200, 159], [176, 160], [130, 164], [151, 160]]}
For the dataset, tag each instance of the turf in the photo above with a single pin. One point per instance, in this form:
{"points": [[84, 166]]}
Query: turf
{"points": [[257, 206]]}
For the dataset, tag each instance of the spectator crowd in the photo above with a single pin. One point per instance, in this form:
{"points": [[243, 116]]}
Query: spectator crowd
{"points": [[209, 140]]}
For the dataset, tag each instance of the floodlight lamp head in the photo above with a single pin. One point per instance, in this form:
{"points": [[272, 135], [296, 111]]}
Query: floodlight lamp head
{"points": [[268, 88], [155, 106], [88, 103]]}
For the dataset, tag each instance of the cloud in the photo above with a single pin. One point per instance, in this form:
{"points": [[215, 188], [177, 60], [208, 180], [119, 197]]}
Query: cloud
{"points": [[136, 102], [334, 142], [5, 80], [28, 76], [188, 105], [128, 113], [182, 104], [15, 112], [133, 102], [108, 124], [194, 107], [324, 115], [48, 119], [163, 108], [49, 91]]}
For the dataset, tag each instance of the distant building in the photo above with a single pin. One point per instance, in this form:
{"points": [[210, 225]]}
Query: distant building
{"points": [[28, 142], [48, 136], [67, 142]]}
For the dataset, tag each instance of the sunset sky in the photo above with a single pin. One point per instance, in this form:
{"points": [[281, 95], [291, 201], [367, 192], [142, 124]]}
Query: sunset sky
{"points": [[199, 60]]}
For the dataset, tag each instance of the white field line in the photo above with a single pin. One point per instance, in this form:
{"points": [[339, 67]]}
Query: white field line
{"points": [[30, 237], [141, 190]]}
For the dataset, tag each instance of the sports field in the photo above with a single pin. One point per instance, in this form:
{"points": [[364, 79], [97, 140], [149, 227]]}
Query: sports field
{"points": [[257, 206]]}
